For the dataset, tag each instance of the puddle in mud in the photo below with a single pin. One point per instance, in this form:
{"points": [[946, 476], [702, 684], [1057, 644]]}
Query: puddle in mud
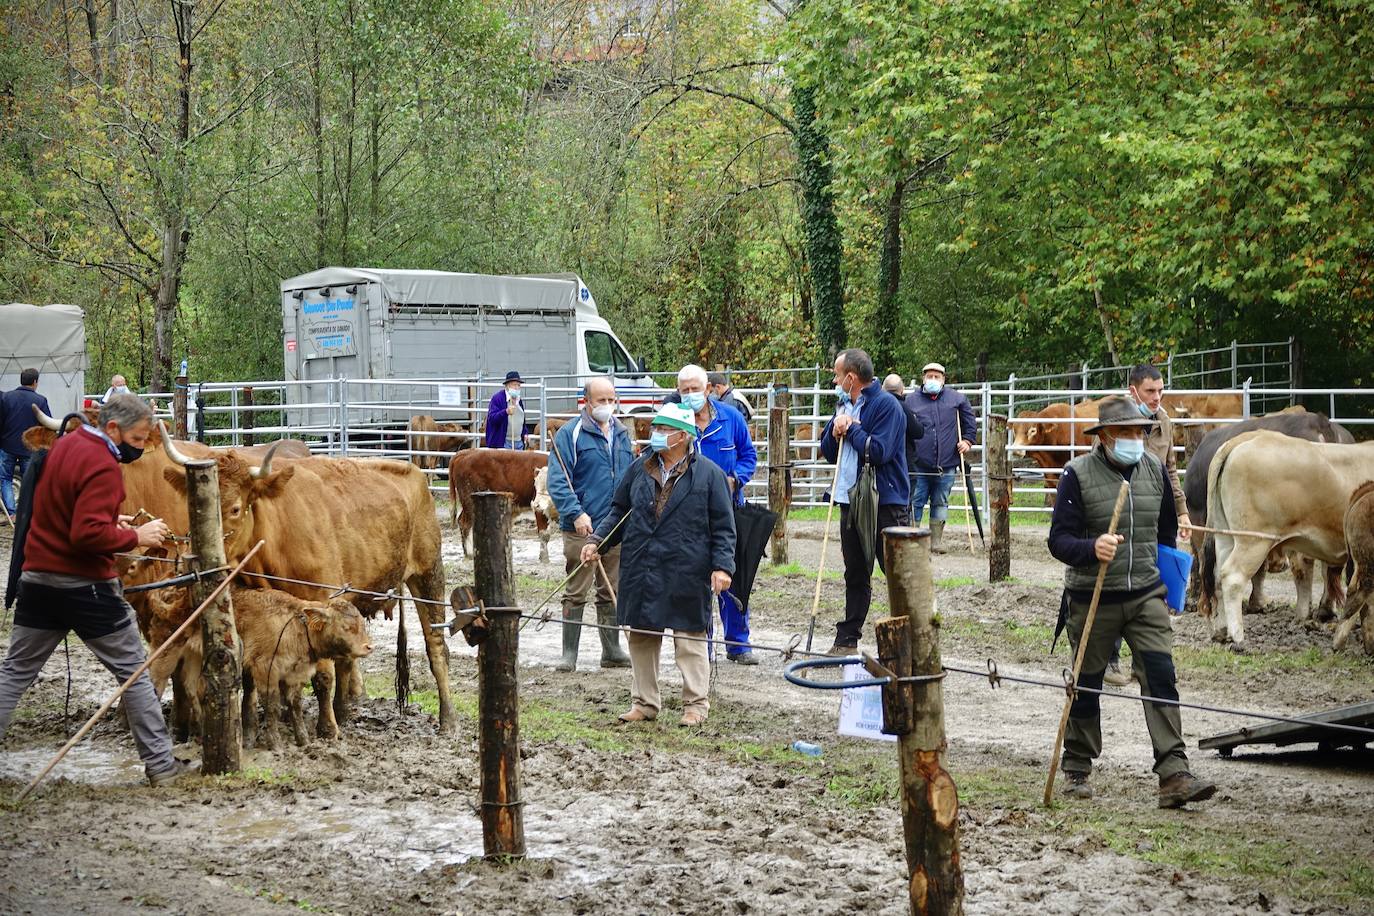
{"points": [[421, 835], [86, 763], [524, 552]]}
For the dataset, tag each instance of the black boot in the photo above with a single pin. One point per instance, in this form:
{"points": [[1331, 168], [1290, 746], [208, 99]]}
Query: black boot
{"points": [[572, 635], [612, 656]]}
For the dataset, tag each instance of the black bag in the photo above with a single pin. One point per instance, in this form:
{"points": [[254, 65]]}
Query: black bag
{"points": [[863, 508]]}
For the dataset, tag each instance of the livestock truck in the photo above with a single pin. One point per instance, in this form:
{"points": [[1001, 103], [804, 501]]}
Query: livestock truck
{"points": [[445, 341]]}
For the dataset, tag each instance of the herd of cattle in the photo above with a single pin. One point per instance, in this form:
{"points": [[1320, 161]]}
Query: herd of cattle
{"points": [[1294, 487], [371, 524]]}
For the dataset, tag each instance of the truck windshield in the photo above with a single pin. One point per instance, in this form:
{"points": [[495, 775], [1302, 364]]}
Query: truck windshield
{"points": [[604, 355]]}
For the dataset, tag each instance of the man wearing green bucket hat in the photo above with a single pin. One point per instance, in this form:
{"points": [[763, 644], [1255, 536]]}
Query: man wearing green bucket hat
{"points": [[1131, 602], [678, 554]]}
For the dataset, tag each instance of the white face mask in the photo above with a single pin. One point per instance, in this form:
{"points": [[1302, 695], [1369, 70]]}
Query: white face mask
{"points": [[602, 413], [512, 394]]}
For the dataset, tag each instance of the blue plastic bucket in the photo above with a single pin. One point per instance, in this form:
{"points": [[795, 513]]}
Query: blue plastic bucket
{"points": [[1174, 566]]}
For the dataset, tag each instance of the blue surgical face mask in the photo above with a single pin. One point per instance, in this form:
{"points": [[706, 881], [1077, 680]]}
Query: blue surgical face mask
{"points": [[932, 386], [1128, 451], [842, 394], [1144, 411], [658, 441], [694, 400]]}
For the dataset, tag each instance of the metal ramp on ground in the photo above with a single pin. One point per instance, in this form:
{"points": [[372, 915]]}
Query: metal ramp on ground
{"points": [[1282, 734]]}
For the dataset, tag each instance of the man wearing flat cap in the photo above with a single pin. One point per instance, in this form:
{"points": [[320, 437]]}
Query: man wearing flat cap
{"points": [[677, 555], [951, 430], [1132, 601]]}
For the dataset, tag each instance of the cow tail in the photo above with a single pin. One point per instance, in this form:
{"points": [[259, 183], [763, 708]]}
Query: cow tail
{"points": [[402, 659], [1207, 576]]}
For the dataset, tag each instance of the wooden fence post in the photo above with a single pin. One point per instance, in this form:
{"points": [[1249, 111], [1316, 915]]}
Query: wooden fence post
{"points": [[498, 698], [779, 474], [930, 801], [222, 728], [249, 438], [179, 410], [999, 498]]}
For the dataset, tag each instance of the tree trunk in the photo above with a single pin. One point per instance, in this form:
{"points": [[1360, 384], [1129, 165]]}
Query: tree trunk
{"points": [[1106, 326], [175, 231], [823, 244], [317, 133], [890, 277], [93, 29]]}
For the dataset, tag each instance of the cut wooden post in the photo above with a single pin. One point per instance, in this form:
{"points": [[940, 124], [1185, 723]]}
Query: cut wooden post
{"points": [[222, 726], [779, 453], [999, 498], [894, 651], [930, 801], [498, 698], [249, 437], [179, 409]]}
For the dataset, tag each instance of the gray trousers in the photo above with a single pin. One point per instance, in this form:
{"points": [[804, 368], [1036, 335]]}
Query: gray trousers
{"points": [[1144, 623], [121, 652]]}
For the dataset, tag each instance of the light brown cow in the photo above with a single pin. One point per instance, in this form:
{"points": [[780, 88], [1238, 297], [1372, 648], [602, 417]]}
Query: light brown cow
{"points": [[368, 523], [427, 435], [1297, 490], [1359, 538], [498, 470]]}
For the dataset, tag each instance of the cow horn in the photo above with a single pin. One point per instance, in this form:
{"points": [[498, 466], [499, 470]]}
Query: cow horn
{"points": [[44, 420], [259, 473], [172, 451]]}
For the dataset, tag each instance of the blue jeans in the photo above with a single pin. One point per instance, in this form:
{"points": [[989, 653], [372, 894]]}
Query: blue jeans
{"points": [[11, 469], [736, 620], [928, 486]]}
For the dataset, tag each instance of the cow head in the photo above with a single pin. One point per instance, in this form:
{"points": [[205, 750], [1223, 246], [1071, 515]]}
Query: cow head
{"points": [[337, 629], [240, 486]]}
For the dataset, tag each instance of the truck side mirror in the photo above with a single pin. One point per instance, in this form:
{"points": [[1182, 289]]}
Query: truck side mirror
{"points": [[642, 365]]}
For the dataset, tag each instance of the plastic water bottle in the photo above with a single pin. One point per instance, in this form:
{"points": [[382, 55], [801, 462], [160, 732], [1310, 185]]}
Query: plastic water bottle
{"points": [[183, 368], [807, 748]]}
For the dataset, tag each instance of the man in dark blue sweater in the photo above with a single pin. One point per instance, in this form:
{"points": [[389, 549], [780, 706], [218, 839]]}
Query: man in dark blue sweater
{"points": [[16, 416], [869, 427]]}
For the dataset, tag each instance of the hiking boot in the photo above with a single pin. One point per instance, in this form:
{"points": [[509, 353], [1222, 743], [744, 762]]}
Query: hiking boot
{"points": [[612, 656], [1076, 785], [179, 770], [743, 658], [1177, 790], [636, 714], [691, 718], [1115, 677], [572, 636], [840, 649], [937, 536]]}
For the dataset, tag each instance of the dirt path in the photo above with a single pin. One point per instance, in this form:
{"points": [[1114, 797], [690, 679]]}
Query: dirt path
{"points": [[728, 819]]}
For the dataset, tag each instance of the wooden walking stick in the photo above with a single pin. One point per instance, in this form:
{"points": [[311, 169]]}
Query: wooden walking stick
{"points": [[90, 723], [820, 570], [968, 506], [1083, 643]]}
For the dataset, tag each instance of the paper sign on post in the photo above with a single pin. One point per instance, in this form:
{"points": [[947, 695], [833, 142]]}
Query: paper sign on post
{"points": [[861, 708], [450, 395]]}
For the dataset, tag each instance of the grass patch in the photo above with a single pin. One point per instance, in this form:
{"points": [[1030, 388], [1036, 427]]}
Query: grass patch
{"points": [[1220, 659], [954, 581], [796, 569]]}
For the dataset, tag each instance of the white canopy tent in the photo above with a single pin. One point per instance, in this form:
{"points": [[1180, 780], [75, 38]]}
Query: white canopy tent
{"points": [[51, 339]]}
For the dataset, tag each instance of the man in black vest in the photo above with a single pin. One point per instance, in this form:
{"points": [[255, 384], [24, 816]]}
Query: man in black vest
{"points": [[1132, 602]]}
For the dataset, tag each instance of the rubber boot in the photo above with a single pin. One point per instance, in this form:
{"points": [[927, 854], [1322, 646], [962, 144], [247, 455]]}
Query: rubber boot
{"points": [[612, 656], [572, 635], [937, 536]]}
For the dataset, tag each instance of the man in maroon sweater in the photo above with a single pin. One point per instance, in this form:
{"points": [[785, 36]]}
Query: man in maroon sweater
{"points": [[69, 582]]}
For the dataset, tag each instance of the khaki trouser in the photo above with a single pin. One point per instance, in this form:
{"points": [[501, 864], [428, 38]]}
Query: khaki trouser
{"points": [[1144, 623], [692, 661], [575, 594]]}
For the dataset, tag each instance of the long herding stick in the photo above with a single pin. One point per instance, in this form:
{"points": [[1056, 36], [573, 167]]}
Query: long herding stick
{"points": [[1083, 644], [820, 570], [90, 723]]}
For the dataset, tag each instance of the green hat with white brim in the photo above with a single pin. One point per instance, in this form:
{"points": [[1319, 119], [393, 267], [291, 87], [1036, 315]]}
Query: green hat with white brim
{"points": [[677, 416]]}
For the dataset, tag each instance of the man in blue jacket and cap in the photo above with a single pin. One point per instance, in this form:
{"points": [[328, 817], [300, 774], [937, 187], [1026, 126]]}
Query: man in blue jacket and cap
{"points": [[590, 458], [951, 429], [679, 537], [723, 437], [869, 427]]}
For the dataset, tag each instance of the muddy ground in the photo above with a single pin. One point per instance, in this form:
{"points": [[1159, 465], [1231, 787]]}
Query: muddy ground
{"points": [[728, 819]]}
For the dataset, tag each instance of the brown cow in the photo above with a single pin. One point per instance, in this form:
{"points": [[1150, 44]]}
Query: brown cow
{"points": [[1056, 426], [1299, 491], [1359, 537], [368, 523], [499, 470], [427, 435]]}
